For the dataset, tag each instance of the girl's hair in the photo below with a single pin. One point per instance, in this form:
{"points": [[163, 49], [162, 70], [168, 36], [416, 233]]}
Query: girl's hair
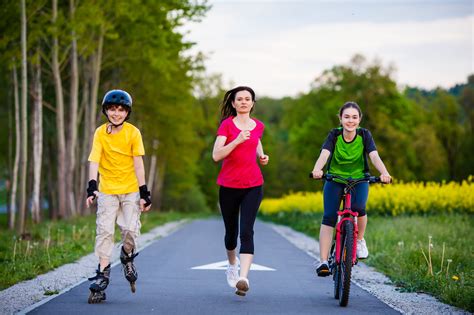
{"points": [[350, 105], [227, 109]]}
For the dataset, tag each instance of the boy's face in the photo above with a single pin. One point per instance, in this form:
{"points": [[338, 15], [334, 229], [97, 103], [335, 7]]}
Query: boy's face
{"points": [[117, 113]]}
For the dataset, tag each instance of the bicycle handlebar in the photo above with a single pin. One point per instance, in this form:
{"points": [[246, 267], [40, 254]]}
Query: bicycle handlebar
{"points": [[330, 177]]}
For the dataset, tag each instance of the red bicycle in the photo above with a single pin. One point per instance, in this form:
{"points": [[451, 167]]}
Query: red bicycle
{"points": [[343, 253]]}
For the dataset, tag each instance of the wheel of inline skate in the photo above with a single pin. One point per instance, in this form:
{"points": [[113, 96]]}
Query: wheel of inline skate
{"points": [[90, 300]]}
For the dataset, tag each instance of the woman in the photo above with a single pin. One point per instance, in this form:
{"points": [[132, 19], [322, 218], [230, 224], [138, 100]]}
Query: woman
{"points": [[346, 148], [238, 144]]}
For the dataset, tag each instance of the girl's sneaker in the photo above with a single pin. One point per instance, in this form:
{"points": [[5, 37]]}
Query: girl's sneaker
{"points": [[232, 273], [242, 286], [362, 251], [323, 269]]}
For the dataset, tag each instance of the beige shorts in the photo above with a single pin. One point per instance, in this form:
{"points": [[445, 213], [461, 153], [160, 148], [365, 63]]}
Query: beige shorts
{"points": [[123, 209]]}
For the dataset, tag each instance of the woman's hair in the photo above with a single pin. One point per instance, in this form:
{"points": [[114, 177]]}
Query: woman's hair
{"points": [[350, 105], [227, 109]]}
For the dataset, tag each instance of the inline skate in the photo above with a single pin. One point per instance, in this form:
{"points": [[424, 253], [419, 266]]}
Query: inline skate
{"points": [[97, 288], [129, 269]]}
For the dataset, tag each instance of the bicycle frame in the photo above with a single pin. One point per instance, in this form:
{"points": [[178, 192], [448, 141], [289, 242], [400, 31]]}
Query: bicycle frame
{"points": [[346, 215]]}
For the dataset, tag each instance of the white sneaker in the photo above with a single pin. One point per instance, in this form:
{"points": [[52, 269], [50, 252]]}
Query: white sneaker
{"points": [[362, 251], [242, 286], [232, 273]]}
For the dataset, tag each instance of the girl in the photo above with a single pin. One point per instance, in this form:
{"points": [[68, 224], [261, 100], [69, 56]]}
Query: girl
{"points": [[346, 148], [238, 145]]}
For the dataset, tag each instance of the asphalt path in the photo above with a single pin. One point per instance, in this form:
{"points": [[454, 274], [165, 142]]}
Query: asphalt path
{"points": [[167, 283]]}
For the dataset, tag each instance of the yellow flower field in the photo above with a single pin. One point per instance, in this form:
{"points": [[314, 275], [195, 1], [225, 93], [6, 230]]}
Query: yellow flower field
{"points": [[395, 199]]}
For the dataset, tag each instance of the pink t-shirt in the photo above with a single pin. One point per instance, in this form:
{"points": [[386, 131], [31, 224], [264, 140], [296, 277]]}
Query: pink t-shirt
{"points": [[240, 168]]}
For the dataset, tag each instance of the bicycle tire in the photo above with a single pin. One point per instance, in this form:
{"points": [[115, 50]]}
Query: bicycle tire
{"points": [[346, 262], [334, 268]]}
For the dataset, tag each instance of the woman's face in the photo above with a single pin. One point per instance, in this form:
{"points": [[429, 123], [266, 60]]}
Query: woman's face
{"points": [[243, 102], [350, 119], [117, 114]]}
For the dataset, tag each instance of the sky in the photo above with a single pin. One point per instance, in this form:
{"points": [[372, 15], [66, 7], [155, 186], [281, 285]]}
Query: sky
{"points": [[280, 47]]}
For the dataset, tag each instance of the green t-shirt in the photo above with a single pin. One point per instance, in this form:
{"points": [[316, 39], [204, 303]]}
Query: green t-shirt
{"points": [[349, 159]]}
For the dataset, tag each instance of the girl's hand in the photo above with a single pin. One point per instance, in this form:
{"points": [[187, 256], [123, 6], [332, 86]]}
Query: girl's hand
{"points": [[264, 159], [386, 178], [243, 136], [317, 174]]}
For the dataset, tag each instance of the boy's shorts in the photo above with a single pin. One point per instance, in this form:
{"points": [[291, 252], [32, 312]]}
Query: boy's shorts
{"points": [[123, 209]]}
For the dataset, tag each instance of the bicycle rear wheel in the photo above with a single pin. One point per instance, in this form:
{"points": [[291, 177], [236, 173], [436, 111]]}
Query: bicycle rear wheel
{"points": [[346, 262]]}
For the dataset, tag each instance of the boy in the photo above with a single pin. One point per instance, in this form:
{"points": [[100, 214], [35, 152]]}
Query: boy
{"points": [[116, 155]]}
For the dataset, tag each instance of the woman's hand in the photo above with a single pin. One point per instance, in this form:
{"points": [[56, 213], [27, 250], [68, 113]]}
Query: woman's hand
{"points": [[243, 136], [264, 159]]}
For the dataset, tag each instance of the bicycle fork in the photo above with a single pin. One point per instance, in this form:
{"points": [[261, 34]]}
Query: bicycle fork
{"points": [[346, 215]]}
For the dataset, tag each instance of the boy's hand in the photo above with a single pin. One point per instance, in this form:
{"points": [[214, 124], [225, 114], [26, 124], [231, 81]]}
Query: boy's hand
{"points": [[145, 201], [264, 159], [92, 192], [143, 206]]}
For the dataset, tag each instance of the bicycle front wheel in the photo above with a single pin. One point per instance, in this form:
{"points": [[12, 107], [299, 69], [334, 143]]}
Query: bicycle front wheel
{"points": [[346, 262], [335, 270]]}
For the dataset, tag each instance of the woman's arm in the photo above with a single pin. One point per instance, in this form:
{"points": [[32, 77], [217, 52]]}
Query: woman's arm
{"points": [[259, 149], [320, 162], [263, 158], [221, 150], [377, 162]]}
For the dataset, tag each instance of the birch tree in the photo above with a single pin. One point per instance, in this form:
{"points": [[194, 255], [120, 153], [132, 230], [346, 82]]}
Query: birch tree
{"points": [[24, 123], [37, 141], [74, 99], [61, 142], [14, 181]]}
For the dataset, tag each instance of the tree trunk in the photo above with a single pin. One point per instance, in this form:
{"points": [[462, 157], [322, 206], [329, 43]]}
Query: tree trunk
{"points": [[13, 204], [24, 126], [151, 175], [90, 112], [61, 142], [74, 95], [96, 68], [157, 192], [37, 142], [85, 143]]}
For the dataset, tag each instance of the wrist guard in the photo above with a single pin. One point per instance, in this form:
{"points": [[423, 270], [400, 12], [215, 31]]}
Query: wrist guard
{"points": [[145, 195], [91, 188]]}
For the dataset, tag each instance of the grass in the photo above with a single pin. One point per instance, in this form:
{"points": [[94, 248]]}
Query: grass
{"points": [[55, 243], [409, 250]]}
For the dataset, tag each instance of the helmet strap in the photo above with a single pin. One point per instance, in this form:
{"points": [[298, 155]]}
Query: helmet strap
{"points": [[112, 125]]}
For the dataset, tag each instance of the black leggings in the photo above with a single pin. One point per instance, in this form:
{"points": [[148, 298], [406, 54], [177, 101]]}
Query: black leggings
{"points": [[247, 200]]}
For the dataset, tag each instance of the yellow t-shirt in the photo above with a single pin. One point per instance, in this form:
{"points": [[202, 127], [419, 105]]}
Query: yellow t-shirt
{"points": [[114, 153]]}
